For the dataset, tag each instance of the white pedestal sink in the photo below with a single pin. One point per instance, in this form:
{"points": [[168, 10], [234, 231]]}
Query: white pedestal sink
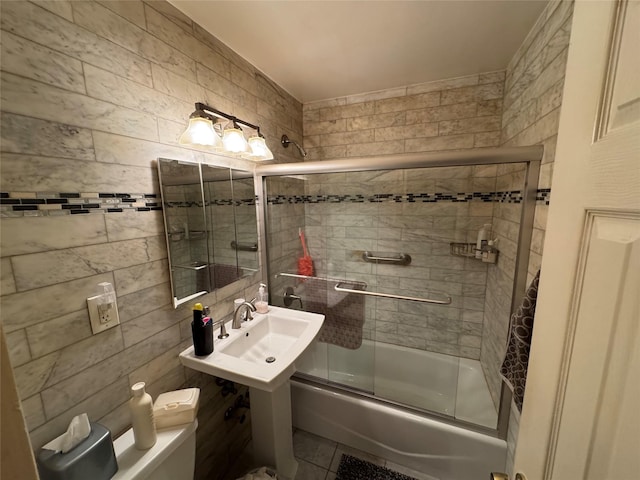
{"points": [[262, 355]]}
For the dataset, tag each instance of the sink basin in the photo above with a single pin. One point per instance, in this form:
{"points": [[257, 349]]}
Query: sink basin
{"points": [[261, 354], [268, 340]]}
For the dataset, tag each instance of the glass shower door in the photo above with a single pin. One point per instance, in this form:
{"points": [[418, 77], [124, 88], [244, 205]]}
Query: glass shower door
{"points": [[332, 226], [408, 236]]}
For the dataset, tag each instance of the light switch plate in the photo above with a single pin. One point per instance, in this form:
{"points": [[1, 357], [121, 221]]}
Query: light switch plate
{"points": [[102, 319]]}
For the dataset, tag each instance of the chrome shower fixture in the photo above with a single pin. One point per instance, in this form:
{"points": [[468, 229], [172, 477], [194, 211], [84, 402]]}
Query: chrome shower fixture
{"points": [[285, 143]]}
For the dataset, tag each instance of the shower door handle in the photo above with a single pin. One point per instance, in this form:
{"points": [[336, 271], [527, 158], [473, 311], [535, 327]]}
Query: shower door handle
{"points": [[341, 288]]}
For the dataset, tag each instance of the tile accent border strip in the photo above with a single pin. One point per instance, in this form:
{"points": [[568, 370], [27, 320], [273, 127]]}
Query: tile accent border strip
{"points": [[38, 204], [220, 202], [513, 196]]}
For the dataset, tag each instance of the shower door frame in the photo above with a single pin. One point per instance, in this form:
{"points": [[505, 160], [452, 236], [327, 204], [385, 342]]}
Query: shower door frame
{"points": [[531, 156]]}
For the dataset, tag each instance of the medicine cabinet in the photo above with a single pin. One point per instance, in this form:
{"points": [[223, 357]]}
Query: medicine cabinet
{"points": [[210, 225]]}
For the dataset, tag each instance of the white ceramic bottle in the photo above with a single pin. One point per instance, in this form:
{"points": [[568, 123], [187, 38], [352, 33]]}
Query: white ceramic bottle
{"points": [[141, 407], [483, 236], [262, 299]]}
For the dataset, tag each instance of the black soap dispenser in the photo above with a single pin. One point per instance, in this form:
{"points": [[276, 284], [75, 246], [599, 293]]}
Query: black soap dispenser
{"points": [[201, 331]]}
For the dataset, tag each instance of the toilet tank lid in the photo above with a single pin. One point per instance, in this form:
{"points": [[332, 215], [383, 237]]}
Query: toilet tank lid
{"points": [[134, 463]]}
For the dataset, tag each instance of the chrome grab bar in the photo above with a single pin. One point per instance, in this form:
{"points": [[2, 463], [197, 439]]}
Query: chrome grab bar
{"points": [[400, 259], [338, 288], [247, 247]]}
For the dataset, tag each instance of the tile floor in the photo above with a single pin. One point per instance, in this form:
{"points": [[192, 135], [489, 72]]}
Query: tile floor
{"points": [[318, 459]]}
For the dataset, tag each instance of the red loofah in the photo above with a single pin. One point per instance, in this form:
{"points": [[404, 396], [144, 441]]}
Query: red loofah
{"points": [[305, 263]]}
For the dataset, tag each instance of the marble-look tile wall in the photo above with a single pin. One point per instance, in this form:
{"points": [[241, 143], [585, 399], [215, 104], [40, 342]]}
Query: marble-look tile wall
{"points": [[533, 94], [500, 278], [92, 93], [448, 114], [182, 223], [220, 213], [283, 222], [341, 229], [244, 214], [532, 100], [344, 219]]}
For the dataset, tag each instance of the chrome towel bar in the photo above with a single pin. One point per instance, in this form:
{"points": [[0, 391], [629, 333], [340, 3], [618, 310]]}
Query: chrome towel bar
{"points": [[192, 266], [445, 301], [339, 287], [400, 259]]}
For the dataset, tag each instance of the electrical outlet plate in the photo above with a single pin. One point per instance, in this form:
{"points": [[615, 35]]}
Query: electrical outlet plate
{"points": [[102, 318]]}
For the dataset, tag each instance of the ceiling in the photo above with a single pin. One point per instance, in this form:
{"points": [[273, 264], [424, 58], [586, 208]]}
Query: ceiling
{"points": [[325, 49]]}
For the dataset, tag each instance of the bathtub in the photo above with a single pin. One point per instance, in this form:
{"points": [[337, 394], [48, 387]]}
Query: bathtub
{"points": [[429, 381]]}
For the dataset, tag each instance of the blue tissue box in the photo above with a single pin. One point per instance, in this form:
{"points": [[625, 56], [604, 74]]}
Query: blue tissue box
{"points": [[93, 458]]}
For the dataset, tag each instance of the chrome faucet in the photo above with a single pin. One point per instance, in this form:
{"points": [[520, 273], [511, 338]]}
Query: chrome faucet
{"points": [[238, 317]]}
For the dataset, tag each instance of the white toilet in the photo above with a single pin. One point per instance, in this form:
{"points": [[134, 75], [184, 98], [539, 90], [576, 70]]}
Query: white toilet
{"points": [[173, 457]]}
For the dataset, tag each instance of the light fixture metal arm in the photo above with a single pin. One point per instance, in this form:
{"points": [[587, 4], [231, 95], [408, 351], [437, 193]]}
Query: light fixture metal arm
{"points": [[213, 113], [200, 131]]}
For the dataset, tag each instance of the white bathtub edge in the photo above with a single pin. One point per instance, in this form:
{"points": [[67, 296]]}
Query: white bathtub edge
{"points": [[443, 451]]}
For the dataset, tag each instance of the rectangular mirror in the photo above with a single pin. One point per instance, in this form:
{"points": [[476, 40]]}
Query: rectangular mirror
{"points": [[210, 224], [244, 196]]}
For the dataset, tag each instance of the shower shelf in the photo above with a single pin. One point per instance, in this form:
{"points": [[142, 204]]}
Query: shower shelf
{"points": [[463, 249], [468, 250]]}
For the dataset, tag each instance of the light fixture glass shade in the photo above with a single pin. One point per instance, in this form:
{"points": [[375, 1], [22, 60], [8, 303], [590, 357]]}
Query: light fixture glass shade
{"points": [[259, 149], [233, 140], [200, 132], [248, 153], [269, 153]]}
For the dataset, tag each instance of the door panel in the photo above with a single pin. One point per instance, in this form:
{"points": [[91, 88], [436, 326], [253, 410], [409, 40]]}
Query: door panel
{"points": [[579, 418]]}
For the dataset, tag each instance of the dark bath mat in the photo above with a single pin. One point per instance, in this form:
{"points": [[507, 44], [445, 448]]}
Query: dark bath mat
{"points": [[352, 468]]}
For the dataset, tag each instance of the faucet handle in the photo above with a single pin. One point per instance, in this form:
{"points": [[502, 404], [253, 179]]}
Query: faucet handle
{"points": [[223, 329]]}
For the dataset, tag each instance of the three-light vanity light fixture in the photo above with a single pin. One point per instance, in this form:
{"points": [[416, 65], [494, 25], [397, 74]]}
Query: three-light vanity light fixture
{"points": [[222, 132]]}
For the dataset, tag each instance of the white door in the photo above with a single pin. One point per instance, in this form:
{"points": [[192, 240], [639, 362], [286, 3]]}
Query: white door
{"points": [[581, 417]]}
